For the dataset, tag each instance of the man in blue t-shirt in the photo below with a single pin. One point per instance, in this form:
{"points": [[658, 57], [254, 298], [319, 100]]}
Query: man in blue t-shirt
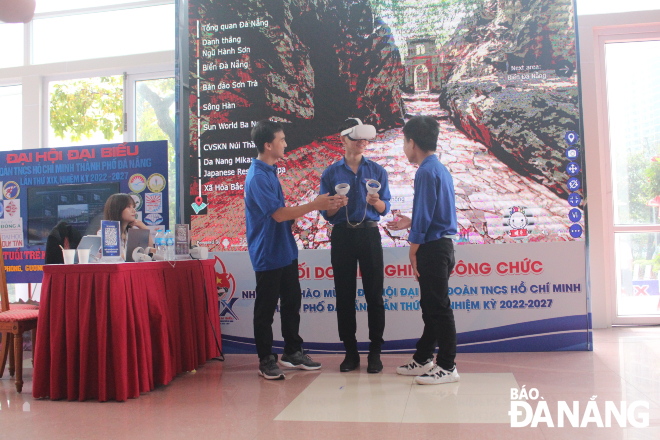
{"points": [[356, 239], [274, 253], [432, 228]]}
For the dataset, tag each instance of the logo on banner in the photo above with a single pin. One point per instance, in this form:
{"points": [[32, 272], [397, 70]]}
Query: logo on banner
{"points": [[137, 183], [153, 219], [137, 198], [226, 292], [12, 209], [10, 190], [156, 182], [153, 203], [517, 222]]}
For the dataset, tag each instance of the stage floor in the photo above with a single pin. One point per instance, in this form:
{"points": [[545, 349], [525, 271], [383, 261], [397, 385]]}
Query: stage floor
{"points": [[230, 401]]}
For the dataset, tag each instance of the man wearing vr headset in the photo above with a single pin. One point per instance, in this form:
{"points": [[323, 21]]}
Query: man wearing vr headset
{"points": [[356, 239]]}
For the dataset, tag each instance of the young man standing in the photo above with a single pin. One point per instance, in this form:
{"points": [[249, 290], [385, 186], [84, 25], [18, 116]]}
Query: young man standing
{"points": [[356, 239], [432, 228], [274, 253]]}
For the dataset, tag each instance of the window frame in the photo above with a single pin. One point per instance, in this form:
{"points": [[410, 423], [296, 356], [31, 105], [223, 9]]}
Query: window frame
{"points": [[28, 39], [130, 98], [130, 76], [603, 36], [15, 83]]}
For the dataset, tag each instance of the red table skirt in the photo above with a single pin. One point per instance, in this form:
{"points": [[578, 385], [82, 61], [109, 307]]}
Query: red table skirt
{"points": [[112, 331]]}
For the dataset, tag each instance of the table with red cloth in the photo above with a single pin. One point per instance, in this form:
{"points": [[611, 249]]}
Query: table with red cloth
{"points": [[113, 331]]}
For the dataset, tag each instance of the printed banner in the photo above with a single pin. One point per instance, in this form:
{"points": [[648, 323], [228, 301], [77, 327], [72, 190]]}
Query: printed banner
{"points": [[45, 186], [505, 298]]}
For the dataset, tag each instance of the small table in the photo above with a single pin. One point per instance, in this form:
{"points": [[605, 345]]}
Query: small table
{"points": [[112, 331]]}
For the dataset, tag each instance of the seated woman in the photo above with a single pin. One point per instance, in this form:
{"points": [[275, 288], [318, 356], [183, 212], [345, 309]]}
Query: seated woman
{"points": [[121, 207]]}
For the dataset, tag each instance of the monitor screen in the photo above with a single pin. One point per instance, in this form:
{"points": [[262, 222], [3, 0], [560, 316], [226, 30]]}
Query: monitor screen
{"points": [[79, 205]]}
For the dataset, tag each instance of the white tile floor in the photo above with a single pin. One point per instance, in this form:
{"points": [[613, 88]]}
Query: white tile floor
{"points": [[230, 401], [336, 397]]}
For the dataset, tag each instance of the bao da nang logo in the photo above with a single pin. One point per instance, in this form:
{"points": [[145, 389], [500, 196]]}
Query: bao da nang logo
{"points": [[226, 292], [517, 222], [602, 414]]}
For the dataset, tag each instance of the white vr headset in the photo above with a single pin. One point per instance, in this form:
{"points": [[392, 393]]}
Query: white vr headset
{"points": [[360, 131]]}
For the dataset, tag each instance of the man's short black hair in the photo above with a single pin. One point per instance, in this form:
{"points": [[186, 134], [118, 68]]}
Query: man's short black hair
{"points": [[264, 132], [348, 123], [424, 131]]}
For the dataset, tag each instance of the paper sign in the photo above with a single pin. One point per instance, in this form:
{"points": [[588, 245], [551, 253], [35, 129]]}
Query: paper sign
{"points": [[12, 233], [181, 240], [110, 238]]}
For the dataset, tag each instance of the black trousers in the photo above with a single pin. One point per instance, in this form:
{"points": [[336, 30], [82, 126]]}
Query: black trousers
{"points": [[350, 247], [273, 285], [435, 261]]}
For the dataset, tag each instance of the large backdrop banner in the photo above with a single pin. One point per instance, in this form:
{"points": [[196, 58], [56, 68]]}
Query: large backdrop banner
{"points": [[42, 187], [501, 79]]}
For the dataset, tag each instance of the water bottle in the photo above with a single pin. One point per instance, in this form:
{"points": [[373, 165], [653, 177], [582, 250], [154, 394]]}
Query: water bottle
{"points": [[169, 245], [160, 243]]}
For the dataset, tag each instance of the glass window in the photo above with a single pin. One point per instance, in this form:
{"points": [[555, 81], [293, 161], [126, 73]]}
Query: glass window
{"points": [[66, 5], [86, 111], [106, 34], [11, 117], [154, 121], [637, 267], [589, 7], [633, 102], [11, 52]]}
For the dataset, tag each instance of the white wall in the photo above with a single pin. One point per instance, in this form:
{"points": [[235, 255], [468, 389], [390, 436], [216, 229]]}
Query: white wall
{"points": [[596, 142]]}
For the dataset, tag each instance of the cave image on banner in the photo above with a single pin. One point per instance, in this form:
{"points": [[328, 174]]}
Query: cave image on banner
{"points": [[499, 76]]}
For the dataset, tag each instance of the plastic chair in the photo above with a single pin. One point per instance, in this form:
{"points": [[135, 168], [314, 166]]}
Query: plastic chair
{"points": [[13, 323]]}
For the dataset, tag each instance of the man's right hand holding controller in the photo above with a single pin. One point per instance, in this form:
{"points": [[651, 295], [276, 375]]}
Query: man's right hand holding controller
{"points": [[326, 202], [339, 202]]}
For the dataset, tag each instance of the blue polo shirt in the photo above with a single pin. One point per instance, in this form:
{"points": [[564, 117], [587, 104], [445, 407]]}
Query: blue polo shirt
{"points": [[270, 244], [434, 209], [340, 172]]}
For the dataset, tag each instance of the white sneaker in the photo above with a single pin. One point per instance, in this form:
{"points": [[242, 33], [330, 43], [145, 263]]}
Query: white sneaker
{"points": [[438, 375], [414, 368]]}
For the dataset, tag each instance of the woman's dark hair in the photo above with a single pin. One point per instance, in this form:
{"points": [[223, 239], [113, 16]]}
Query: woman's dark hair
{"points": [[115, 206]]}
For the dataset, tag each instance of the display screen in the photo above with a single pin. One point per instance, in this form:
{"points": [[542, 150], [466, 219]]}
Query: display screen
{"points": [[81, 206], [499, 77]]}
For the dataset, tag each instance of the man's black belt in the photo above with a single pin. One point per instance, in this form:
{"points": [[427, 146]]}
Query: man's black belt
{"points": [[367, 224]]}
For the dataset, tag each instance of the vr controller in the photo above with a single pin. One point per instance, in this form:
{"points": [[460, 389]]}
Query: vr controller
{"points": [[373, 186]]}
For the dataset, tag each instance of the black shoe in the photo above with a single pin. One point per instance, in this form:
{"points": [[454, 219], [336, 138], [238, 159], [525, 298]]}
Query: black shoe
{"points": [[374, 365], [269, 370], [351, 362], [299, 360]]}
